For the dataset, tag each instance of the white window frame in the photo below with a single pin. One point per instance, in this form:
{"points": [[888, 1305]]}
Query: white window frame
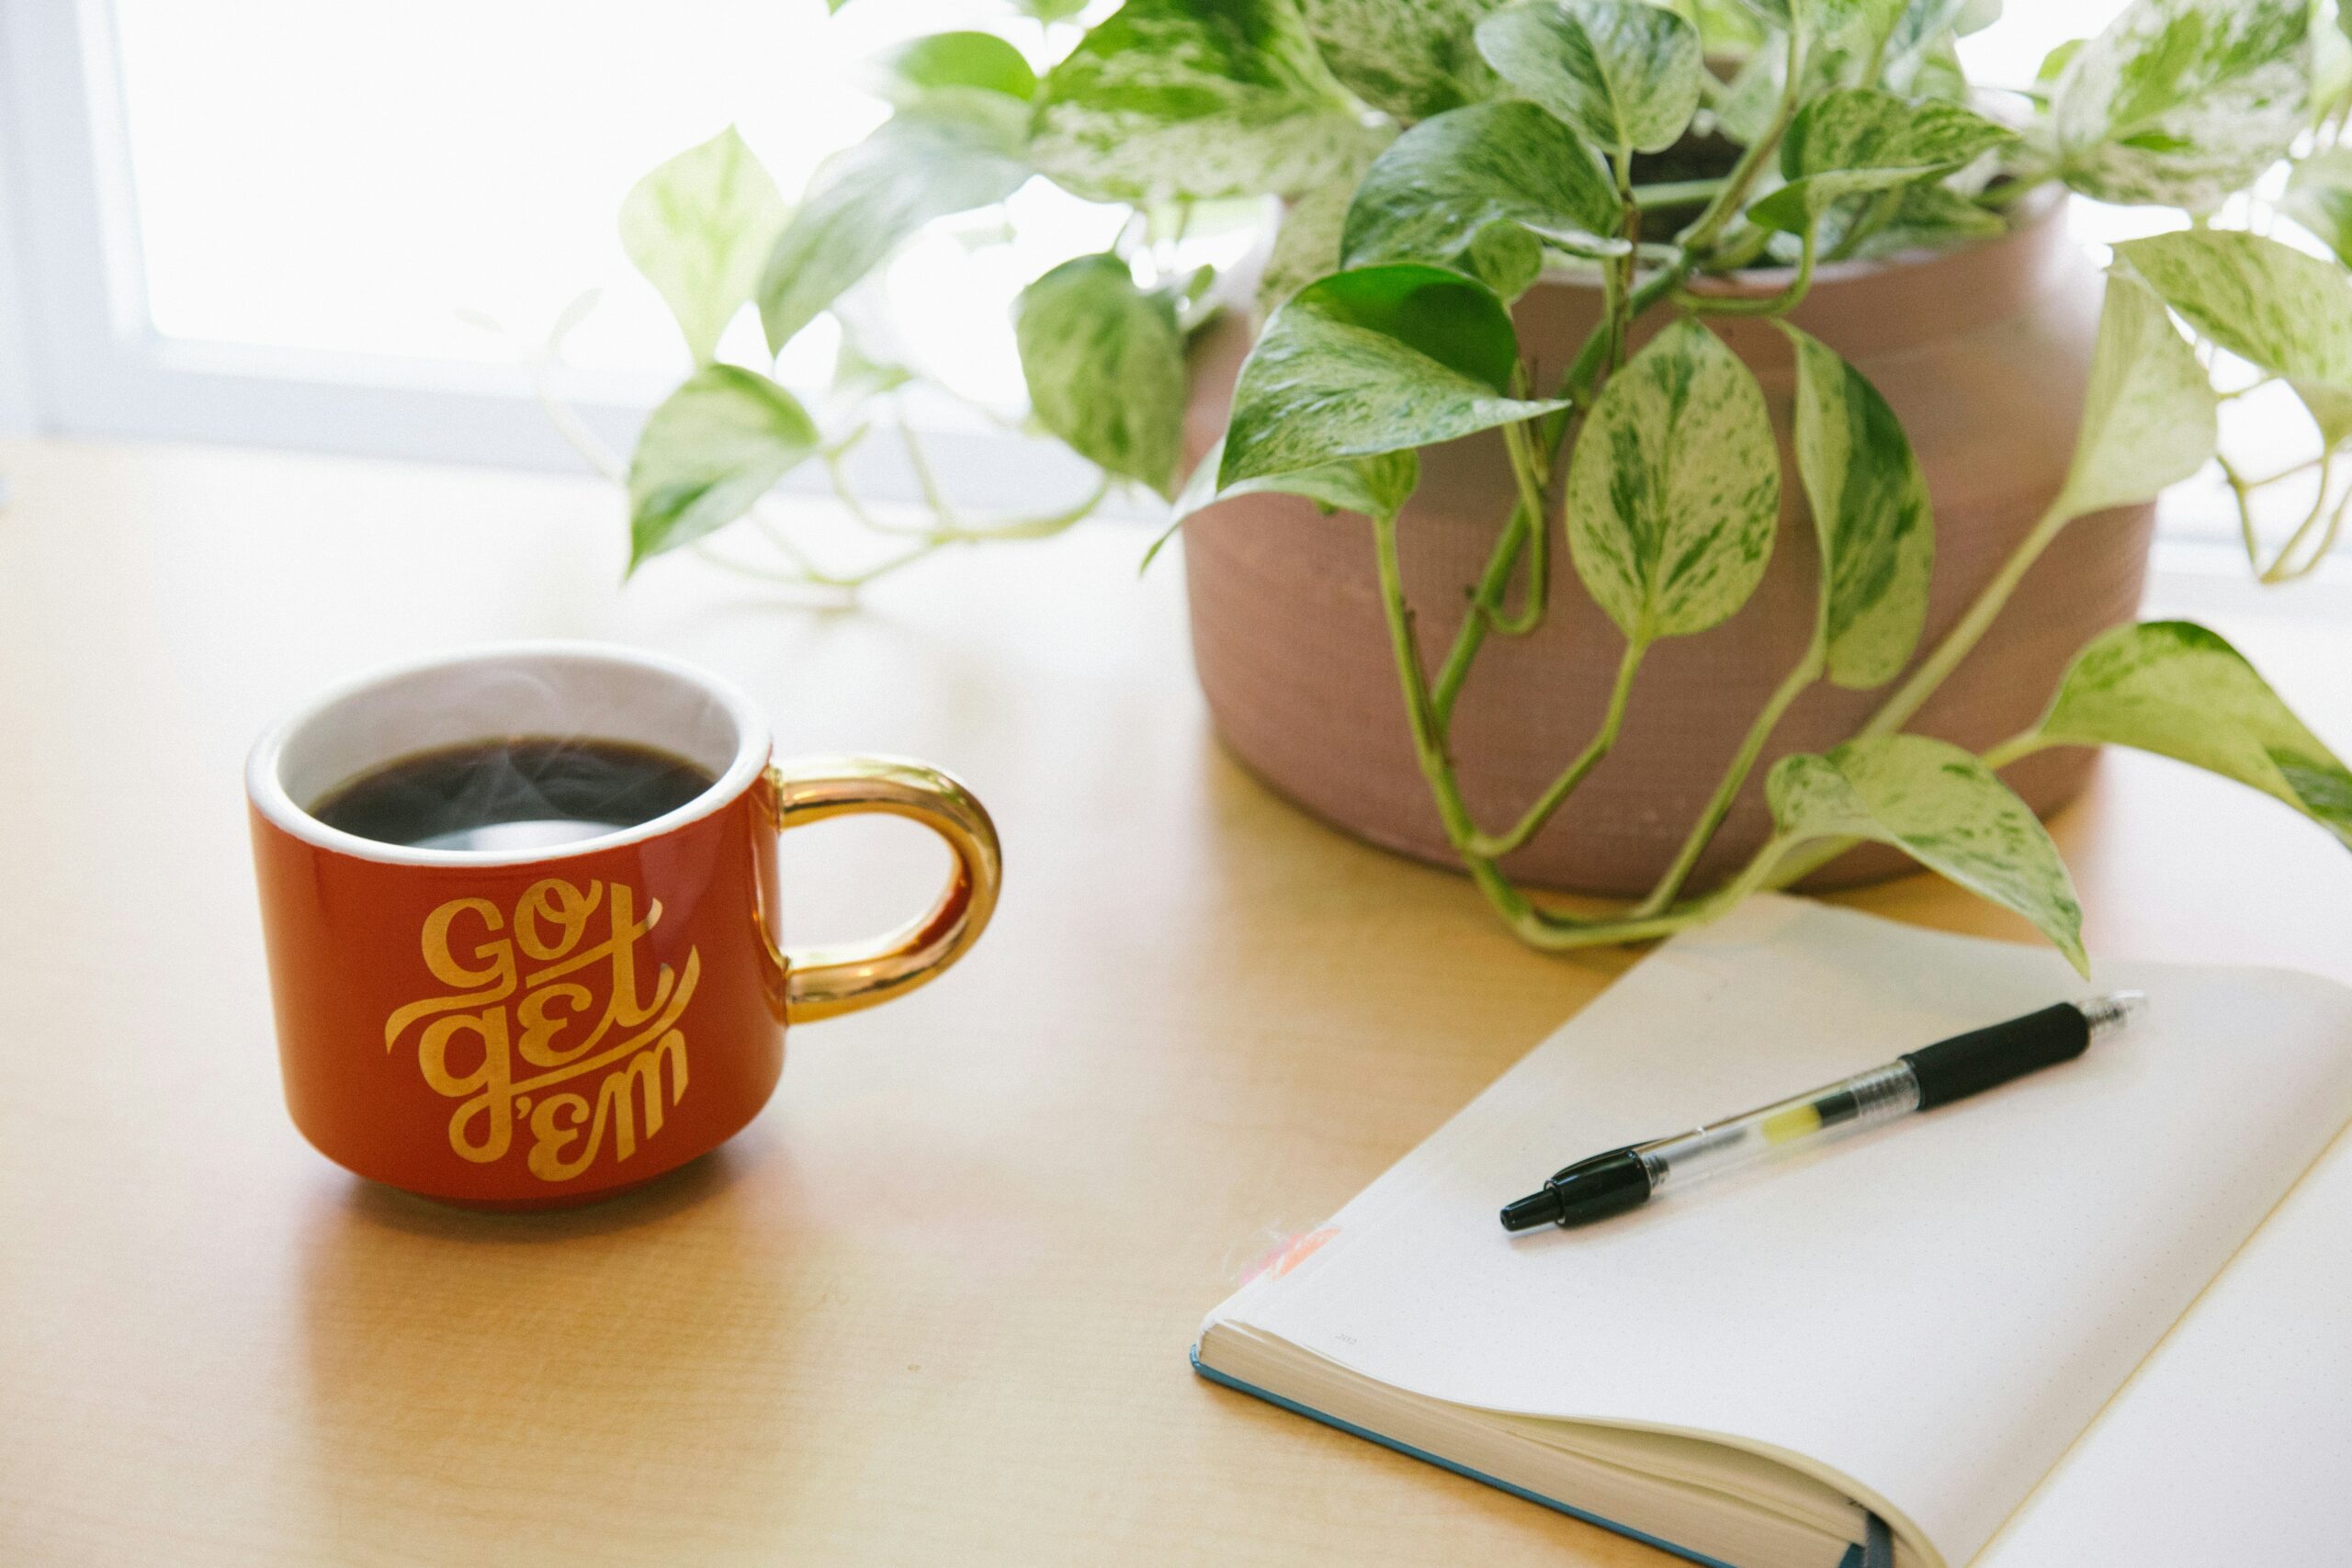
{"points": [[80, 357], [99, 367]]}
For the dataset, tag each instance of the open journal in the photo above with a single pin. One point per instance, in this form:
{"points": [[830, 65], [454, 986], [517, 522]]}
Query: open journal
{"points": [[2100, 1315]]}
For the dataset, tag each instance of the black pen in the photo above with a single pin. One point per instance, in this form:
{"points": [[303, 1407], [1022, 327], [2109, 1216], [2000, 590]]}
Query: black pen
{"points": [[1918, 1080]]}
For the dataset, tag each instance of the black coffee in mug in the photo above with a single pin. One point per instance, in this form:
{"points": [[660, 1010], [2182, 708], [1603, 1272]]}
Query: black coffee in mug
{"points": [[513, 793]]}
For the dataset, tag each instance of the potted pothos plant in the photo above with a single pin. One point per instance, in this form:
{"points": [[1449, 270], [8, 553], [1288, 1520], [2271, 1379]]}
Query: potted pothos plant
{"points": [[1550, 334]]}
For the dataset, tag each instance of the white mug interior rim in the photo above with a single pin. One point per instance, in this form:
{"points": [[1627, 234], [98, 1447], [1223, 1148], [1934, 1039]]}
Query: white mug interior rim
{"points": [[508, 688]]}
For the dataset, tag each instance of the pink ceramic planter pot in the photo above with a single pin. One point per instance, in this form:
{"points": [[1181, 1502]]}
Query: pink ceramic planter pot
{"points": [[1983, 353]]}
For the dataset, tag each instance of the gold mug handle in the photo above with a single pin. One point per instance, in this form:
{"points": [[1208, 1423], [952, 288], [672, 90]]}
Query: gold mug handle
{"points": [[821, 982]]}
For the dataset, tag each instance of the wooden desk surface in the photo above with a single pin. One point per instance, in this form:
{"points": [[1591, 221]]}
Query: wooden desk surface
{"points": [[934, 1306]]}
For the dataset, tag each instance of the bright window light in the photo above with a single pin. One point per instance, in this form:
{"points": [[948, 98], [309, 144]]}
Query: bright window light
{"points": [[378, 178]]}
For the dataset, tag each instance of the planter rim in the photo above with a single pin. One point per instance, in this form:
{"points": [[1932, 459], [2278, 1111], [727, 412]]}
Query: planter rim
{"points": [[2040, 211]]}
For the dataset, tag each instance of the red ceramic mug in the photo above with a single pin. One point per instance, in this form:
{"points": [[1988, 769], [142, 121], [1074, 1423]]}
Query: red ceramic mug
{"points": [[543, 1027]]}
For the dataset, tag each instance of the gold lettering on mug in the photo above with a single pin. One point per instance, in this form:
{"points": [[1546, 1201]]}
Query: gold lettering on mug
{"points": [[473, 1036]]}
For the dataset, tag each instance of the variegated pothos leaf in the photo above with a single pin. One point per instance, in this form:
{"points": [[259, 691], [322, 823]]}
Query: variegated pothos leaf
{"points": [[2319, 196], [1306, 239], [1377, 486], [2174, 688], [2261, 300], [698, 228], [1926, 216], [1368, 361], [1945, 810], [1105, 364], [1623, 73], [2149, 417], [1860, 139], [712, 448], [952, 61], [1454, 176], [1870, 516], [1674, 488], [1409, 58], [2181, 103], [1193, 98], [866, 200]]}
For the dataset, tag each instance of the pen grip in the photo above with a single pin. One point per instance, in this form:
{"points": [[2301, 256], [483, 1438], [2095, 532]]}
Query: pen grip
{"points": [[1955, 1068]]}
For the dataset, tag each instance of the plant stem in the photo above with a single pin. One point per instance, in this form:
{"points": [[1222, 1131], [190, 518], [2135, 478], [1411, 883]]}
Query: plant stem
{"points": [[2279, 570], [2242, 492], [1779, 304], [1621, 298], [1948, 654], [1897, 709], [1805, 673], [1428, 742], [1710, 223], [1536, 927], [1882, 209], [1555, 934], [2025, 743], [934, 497], [1495, 846], [1526, 468], [1485, 603], [1675, 193]]}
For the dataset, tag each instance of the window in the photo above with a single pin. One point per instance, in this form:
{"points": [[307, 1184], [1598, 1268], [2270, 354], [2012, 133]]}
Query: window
{"points": [[352, 226]]}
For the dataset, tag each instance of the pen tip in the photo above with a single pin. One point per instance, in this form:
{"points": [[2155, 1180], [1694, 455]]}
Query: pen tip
{"points": [[1535, 1209]]}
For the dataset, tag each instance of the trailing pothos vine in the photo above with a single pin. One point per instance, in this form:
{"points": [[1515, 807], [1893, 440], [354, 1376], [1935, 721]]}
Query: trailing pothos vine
{"points": [[1435, 158]]}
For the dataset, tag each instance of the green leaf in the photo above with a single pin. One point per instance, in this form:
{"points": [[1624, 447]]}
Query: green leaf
{"points": [[1623, 73], [1727, 29], [2319, 196], [866, 200], [1049, 10], [1410, 58], [2264, 301], [2181, 103], [1193, 98], [1896, 33], [1377, 359], [698, 227], [1830, 18], [858, 375], [1106, 365], [1929, 217], [1376, 487], [1860, 139], [1307, 244], [2054, 63], [1452, 178], [1674, 488], [1306, 239], [1870, 514], [2176, 689], [1945, 810], [1919, 25], [2149, 417], [1505, 258], [1746, 106], [954, 61], [714, 447]]}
